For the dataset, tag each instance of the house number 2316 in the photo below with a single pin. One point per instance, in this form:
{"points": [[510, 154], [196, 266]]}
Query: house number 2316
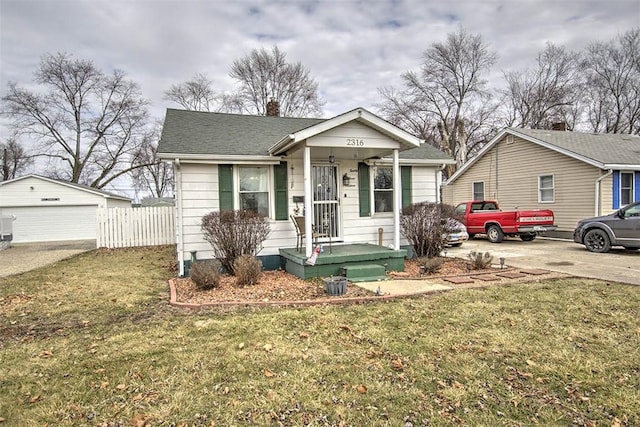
{"points": [[355, 142]]}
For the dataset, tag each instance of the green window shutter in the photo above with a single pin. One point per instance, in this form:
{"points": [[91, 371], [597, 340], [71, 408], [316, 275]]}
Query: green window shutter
{"points": [[225, 187], [280, 174], [405, 177], [364, 187]]}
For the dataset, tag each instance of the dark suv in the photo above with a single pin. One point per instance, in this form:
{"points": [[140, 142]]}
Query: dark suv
{"points": [[621, 228]]}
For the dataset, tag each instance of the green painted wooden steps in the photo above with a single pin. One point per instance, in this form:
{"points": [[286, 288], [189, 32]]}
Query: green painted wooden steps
{"points": [[365, 272]]}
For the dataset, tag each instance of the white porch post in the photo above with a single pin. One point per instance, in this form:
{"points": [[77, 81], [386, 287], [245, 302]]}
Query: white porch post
{"points": [[308, 205], [397, 197]]}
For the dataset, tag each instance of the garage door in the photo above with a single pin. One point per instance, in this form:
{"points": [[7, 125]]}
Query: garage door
{"points": [[52, 223]]}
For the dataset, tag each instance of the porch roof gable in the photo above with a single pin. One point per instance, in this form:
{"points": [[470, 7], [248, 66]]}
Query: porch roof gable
{"points": [[406, 140]]}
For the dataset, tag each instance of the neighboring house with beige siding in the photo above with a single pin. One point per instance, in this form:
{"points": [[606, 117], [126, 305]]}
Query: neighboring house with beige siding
{"points": [[338, 172], [577, 175]]}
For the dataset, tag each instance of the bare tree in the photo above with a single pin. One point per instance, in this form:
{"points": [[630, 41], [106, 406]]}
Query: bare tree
{"points": [[196, 94], [613, 89], [90, 125], [535, 98], [15, 159], [446, 103], [156, 178], [264, 75]]}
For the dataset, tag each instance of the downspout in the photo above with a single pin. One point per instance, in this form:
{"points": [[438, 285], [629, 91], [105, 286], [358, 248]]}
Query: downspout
{"points": [[179, 219], [598, 181], [438, 180]]}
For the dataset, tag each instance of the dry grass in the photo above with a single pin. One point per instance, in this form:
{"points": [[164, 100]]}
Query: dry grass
{"points": [[92, 341]]}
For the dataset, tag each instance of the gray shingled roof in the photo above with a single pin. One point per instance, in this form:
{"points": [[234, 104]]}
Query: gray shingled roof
{"points": [[203, 133], [194, 132], [425, 152], [608, 149]]}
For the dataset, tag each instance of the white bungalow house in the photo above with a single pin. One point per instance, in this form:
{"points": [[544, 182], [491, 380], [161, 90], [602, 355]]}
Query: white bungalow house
{"points": [[349, 176]]}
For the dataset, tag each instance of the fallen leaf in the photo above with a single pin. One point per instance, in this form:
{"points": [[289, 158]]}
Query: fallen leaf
{"points": [[267, 347], [104, 384], [397, 364], [241, 345], [137, 397], [139, 421], [303, 335], [99, 371], [35, 398], [616, 423], [441, 383], [269, 374], [46, 353], [345, 328], [121, 387], [531, 363], [362, 389]]}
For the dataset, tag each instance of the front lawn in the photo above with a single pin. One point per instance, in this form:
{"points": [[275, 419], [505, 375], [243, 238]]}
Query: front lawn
{"points": [[92, 341]]}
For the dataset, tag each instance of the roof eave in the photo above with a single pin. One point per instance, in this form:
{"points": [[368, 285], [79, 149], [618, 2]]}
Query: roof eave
{"points": [[217, 158]]}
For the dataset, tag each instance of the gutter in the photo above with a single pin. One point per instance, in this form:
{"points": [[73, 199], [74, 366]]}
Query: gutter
{"points": [[598, 181]]}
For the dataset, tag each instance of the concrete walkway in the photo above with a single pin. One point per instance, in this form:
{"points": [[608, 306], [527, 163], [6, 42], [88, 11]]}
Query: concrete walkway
{"points": [[21, 257]]}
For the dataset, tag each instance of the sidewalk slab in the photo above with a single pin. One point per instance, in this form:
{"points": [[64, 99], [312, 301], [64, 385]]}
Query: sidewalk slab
{"points": [[402, 287]]}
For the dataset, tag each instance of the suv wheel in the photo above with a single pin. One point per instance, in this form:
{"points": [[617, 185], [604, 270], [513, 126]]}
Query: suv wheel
{"points": [[596, 240]]}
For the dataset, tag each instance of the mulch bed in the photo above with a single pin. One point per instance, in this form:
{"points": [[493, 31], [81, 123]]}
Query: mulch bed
{"points": [[281, 286]]}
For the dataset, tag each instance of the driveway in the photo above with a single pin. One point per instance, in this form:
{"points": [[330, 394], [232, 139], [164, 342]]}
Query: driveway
{"points": [[21, 257], [563, 256]]}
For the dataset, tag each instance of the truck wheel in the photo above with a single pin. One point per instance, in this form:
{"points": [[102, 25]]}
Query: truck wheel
{"points": [[495, 234], [527, 237], [596, 240]]}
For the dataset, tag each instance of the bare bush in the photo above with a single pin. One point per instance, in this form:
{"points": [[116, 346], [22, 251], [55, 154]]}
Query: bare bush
{"points": [[234, 233], [424, 226], [205, 274], [247, 269], [479, 260]]}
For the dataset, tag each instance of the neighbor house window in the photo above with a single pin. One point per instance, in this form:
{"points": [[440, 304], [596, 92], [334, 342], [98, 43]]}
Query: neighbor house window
{"points": [[545, 188], [478, 190], [383, 189], [253, 186], [626, 188]]}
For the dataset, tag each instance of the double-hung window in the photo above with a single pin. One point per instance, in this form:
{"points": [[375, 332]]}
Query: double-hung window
{"points": [[253, 188], [478, 190], [626, 188], [383, 189], [546, 191]]}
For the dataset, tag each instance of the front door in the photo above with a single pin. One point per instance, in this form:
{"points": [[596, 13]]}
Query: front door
{"points": [[326, 203]]}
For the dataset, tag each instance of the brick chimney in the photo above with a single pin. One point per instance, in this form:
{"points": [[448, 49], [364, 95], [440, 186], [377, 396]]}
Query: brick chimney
{"points": [[273, 108], [559, 126]]}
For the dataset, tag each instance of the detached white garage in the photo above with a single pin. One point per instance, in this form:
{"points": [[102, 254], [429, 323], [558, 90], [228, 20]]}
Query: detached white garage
{"points": [[50, 210]]}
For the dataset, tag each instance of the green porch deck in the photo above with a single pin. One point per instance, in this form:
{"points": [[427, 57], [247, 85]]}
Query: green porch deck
{"points": [[333, 263]]}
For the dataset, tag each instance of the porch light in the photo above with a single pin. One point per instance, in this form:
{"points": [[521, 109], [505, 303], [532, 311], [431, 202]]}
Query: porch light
{"points": [[332, 158], [346, 180]]}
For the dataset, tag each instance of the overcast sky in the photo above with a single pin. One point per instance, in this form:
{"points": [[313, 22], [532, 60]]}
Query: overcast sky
{"points": [[351, 48]]}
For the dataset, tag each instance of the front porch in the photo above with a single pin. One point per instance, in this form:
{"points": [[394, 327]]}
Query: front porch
{"points": [[359, 262]]}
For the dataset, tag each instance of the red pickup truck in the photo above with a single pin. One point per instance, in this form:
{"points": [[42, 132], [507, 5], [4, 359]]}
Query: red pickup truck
{"points": [[485, 217]]}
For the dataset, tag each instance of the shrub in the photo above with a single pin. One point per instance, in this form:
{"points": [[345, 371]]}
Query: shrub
{"points": [[234, 233], [247, 269], [430, 265], [479, 260], [205, 274], [424, 226]]}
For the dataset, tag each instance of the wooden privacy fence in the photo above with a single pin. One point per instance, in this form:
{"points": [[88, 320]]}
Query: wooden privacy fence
{"points": [[126, 227]]}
